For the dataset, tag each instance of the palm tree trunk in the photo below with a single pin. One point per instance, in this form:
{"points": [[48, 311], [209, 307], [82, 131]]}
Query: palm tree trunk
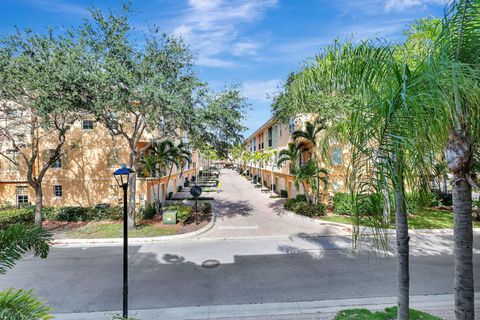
{"points": [[132, 189], [402, 237], [463, 288], [458, 155], [168, 180]]}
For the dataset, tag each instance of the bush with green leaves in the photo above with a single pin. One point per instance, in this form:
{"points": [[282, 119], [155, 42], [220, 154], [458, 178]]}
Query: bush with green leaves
{"points": [[170, 195], [300, 206], [283, 193], [74, 214], [342, 203], [184, 212], [12, 216], [179, 189], [148, 212]]}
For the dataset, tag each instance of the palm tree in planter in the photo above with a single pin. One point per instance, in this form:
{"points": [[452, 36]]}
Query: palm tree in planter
{"points": [[311, 134], [15, 241], [184, 157], [166, 156], [237, 153], [310, 175], [258, 160], [290, 155]]}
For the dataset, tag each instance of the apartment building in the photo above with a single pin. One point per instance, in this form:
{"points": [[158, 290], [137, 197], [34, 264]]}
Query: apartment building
{"points": [[276, 136], [84, 176]]}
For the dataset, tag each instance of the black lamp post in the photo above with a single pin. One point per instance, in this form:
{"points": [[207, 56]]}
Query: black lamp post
{"points": [[121, 175]]}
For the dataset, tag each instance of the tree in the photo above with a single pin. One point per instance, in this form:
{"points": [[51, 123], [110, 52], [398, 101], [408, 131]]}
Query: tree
{"points": [[237, 153], [311, 135], [456, 63], [310, 174], [139, 90], [42, 88], [290, 155], [14, 242], [219, 121]]}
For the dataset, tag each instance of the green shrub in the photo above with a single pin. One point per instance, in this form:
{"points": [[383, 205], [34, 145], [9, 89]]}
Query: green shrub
{"points": [[186, 183], [310, 210], [342, 203], [148, 212], [170, 195], [83, 214], [183, 212], [301, 198], [300, 206], [283, 193], [12, 216], [416, 201], [179, 189]]}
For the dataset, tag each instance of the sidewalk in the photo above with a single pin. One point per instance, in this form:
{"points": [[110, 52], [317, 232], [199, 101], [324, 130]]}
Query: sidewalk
{"points": [[439, 305]]}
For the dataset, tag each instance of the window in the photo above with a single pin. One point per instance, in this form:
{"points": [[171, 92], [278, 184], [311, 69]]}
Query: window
{"points": [[58, 162], [270, 137], [22, 195], [12, 154], [57, 191], [87, 124], [336, 156], [336, 186]]}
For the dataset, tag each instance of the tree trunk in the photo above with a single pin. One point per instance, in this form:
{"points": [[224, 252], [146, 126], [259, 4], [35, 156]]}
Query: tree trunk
{"points": [[402, 238], [464, 289], [168, 180], [132, 189], [38, 204]]}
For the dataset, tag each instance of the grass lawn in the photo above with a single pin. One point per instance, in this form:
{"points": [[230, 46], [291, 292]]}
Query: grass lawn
{"points": [[389, 313], [424, 219], [115, 230]]}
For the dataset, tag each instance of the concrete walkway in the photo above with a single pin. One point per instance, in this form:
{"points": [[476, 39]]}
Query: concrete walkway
{"points": [[244, 211], [439, 305]]}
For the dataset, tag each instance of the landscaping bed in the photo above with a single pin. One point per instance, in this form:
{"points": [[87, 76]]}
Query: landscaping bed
{"points": [[93, 223]]}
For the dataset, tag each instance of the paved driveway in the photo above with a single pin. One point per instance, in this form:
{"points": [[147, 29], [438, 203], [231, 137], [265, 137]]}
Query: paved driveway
{"points": [[244, 211]]}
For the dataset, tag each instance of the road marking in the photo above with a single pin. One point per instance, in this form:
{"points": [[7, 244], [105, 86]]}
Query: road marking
{"points": [[238, 227]]}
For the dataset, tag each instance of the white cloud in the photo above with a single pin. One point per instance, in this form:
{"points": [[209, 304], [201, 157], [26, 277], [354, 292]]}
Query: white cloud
{"points": [[400, 5], [260, 90], [213, 28]]}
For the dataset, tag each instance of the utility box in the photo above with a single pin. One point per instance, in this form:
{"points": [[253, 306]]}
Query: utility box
{"points": [[170, 217]]}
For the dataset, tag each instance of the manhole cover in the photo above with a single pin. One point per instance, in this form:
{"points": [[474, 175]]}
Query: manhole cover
{"points": [[210, 264]]}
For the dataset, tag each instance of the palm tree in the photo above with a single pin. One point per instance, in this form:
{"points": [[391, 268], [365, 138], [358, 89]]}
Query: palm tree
{"points": [[184, 156], [311, 135], [165, 155], [309, 174], [456, 63], [237, 153], [15, 241], [290, 155]]}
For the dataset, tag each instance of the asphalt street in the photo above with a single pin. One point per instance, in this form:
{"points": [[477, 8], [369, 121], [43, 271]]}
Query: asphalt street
{"points": [[280, 265]]}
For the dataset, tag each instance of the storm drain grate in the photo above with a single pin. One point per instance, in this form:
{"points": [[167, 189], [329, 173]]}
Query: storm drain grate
{"points": [[210, 264]]}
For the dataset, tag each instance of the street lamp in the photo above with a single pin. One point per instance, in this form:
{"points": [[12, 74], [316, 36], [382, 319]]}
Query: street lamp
{"points": [[121, 175]]}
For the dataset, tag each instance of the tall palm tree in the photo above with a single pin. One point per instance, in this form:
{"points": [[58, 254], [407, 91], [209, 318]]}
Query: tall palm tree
{"points": [[456, 62], [184, 157], [310, 174], [311, 134], [165, 153], [237, 153], [291, 155], [15, 241]]}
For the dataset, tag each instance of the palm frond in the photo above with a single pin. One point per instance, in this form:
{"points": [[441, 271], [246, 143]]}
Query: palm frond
{"points": [[22, 305], [18, 239]]}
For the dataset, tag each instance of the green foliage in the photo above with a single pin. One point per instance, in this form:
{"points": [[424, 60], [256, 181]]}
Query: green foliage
{"points": [[186, 183], [342, 203], [12, 216], [283, 193], [148, 212], [170, 195], [416, 201], [19, 304], [84, 214], [388, 314], [179, 188], [183, 212], [17, 239], [300, 206]]}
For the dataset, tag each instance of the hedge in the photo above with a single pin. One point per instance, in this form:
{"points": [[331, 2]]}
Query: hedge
{"points": [[342, 203], [283, 193], [300, 206], [12, 216]]}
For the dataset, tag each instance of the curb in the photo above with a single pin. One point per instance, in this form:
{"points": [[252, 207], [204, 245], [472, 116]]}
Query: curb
{"points": [[60, 242]]}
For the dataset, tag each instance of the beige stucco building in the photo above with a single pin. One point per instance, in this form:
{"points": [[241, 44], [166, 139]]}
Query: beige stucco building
{"points": [[276, 136], [84, 176]]}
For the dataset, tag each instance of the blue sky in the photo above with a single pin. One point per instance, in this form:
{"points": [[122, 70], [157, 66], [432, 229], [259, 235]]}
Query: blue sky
{"points": [[252, 42]]}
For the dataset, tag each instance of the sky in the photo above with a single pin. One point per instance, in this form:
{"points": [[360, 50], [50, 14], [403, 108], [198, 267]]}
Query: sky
{"points": [[253, 43]]}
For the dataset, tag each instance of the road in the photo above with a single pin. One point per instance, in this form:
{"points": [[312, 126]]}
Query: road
{"points": [[282, 259]]}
